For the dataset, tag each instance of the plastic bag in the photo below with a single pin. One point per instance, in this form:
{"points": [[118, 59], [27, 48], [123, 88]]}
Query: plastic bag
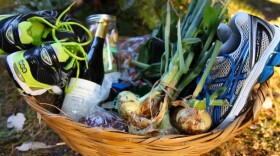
{"points": [[105, 119], [86, 96], [129, 50]]}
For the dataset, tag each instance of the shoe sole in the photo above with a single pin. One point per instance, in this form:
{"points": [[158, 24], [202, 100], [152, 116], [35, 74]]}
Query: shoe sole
{"points": [[10, 72], [10, 67], [251, 81]]}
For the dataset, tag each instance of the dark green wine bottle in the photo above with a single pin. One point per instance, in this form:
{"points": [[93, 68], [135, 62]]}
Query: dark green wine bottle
{"points": [[95, 70]]}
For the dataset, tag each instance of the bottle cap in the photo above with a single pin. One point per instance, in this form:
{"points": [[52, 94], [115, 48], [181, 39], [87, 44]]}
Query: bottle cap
{"points": [[103, 24], [96, 17]]}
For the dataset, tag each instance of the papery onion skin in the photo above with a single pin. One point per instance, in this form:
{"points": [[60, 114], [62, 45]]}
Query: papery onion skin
{"points": [[189, 120], [150, 108]]}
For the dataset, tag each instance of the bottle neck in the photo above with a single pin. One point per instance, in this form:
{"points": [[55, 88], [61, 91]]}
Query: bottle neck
{"points": [[98, 40], [103, 25]]}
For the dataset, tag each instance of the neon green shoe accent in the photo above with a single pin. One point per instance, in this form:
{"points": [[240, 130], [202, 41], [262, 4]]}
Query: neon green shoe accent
{"points": [[67, 91], [24, 34], [62, 26], [37, 31], [3, 53], [46, 32], [24, 69], [60, 52], [1, 18], [19, 48], [74, 50], [64, 50], [20, 90], [5, 16]]}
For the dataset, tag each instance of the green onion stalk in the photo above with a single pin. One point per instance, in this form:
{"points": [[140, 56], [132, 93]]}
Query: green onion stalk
{"points": [[149, 115]]}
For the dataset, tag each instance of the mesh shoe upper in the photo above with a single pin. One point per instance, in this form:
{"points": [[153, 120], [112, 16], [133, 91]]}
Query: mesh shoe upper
{"points": [[249, 38]]}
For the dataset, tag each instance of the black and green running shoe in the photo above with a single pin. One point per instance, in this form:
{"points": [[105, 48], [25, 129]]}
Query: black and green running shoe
{"points": [[23, 31], [45, 67]]}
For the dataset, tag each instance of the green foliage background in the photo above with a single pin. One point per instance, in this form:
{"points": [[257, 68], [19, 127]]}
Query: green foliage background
{"points": [[134, 17]]}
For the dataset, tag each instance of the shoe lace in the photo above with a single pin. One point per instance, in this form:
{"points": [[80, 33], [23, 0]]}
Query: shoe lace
{"points": [[220, 95], [74, 49], [67, 25]]}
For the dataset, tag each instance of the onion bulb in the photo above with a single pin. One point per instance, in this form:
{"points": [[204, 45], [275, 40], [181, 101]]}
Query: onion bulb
{"points": [[190, 120], [128, 104]]}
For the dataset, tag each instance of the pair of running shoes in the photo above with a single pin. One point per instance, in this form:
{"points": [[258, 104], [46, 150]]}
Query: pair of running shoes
{"points": [[51, 45], [42, 49]]}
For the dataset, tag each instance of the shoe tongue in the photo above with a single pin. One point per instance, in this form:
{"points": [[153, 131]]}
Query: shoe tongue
{"points": [[60, 52], [24, 32], [37, 31], [230, 35], [223, 32]]}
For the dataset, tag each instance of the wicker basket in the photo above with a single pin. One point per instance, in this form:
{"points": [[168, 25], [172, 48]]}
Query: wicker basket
{"points": [[99, 141]]}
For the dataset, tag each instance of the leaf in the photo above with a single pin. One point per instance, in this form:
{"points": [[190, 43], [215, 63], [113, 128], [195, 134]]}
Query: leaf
{"points": [[157, 32], [267, 103], [163, 62], [180, 49], [151, 51], [197, 104], [173, 26], [29, 145], [16, 121], [144, 53], [210, 17], [189, 41], [167, 35]]}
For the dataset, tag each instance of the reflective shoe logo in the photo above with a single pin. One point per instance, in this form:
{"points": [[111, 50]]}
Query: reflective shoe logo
{"points": [[46, 57], [10, 35], [22, 66]]}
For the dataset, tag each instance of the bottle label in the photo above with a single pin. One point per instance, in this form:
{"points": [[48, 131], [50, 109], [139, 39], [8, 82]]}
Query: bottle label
{"points": [[76, 104]]}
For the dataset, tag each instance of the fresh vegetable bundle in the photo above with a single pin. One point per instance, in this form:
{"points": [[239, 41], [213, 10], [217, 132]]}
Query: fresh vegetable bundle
{"points": [[181, 63]]}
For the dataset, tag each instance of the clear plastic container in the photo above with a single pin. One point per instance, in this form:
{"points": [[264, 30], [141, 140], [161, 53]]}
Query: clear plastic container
{"points": [[110, 50]]}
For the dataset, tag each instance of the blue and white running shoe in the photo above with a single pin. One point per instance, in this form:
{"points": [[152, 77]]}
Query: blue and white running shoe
{"points": [[250, 51]]}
